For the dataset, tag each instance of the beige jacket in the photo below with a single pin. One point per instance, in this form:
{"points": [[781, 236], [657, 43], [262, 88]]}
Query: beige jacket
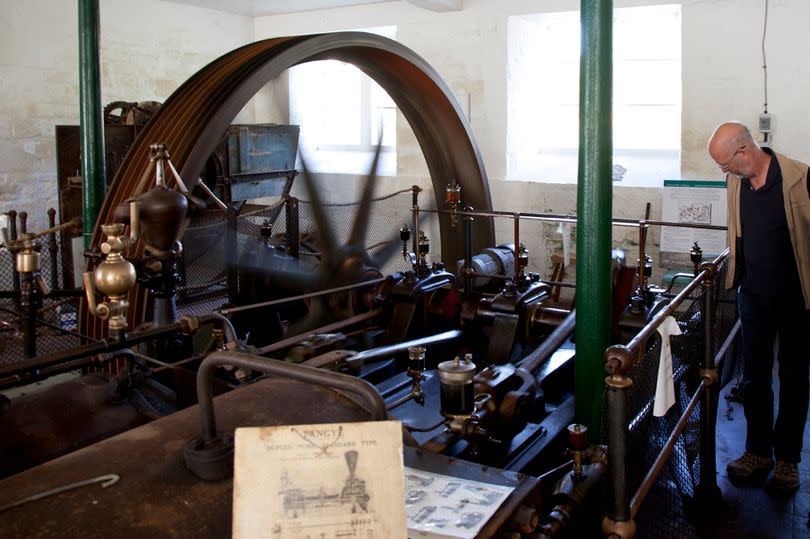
{"points": [[797, 210]]}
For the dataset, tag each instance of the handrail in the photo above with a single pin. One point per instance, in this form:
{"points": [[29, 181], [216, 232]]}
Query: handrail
{"points": [[642, 336], [562, 218], [620, 358]]}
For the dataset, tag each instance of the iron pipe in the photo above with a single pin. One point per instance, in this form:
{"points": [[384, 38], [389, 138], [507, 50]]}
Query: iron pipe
{"points": [[468, 271], [52, 248], [343, 382], [618, 469]]}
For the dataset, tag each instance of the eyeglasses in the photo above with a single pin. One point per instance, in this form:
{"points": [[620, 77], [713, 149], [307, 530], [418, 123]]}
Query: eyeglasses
{"points": [[724, 166]]}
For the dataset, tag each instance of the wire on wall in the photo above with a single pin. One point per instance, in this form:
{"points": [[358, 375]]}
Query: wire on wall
{"points": [[765, 63]]}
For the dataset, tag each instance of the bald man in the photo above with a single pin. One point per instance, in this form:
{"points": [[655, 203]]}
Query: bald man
{"points": [[769, 239]]}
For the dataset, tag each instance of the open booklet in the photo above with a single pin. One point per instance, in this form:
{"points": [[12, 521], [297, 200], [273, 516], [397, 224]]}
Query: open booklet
{"points": [[319, 481], [347, 480]]}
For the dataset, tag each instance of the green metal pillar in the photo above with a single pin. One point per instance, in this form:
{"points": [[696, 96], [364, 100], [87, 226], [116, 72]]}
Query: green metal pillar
{"points": [[91, 117], [594, 207]]}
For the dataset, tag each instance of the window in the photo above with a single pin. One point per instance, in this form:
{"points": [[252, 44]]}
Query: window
{"points": [[342, 114], [543, 96]]}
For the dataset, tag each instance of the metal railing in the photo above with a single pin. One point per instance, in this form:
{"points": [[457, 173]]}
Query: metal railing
{"points": [[619, 360]]}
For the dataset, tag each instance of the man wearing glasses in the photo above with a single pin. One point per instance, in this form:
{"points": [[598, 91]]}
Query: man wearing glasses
{"points": [[769, 239]]}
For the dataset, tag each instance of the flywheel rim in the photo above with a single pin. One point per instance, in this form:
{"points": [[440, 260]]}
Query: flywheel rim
{"points": [[193, 118]]}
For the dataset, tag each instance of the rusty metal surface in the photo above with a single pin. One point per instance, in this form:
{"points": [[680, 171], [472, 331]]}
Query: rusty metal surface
{"points": [[59, 419], [157, 496], [193, 119]]}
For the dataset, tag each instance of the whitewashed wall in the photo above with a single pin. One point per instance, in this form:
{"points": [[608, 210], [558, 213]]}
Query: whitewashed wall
{"points": [[722, 80], [148, 48]]}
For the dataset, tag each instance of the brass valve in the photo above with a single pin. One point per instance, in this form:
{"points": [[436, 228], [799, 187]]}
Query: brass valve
{"points": [[453, 198], [28, 256], [578, 442], [113, 277], [28, 261]]}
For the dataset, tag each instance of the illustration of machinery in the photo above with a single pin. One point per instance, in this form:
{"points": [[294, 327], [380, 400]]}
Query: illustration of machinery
{"points": [[353, 496]]}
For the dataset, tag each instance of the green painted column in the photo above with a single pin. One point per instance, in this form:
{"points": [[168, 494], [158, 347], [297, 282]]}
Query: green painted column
{"points": [[594, 207], [91, 116]]}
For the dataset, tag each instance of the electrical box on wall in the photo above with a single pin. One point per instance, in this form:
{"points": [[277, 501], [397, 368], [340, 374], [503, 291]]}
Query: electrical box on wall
{"points": [[765, 123]]}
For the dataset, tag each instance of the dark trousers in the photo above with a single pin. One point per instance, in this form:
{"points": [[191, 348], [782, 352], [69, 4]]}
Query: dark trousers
{"points": [[762, 321]]}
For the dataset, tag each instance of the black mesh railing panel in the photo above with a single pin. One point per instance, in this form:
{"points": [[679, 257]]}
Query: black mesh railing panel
{"points": [[665, 511]]}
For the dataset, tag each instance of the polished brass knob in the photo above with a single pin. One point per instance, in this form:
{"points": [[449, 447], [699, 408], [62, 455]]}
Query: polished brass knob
{"points": [[28, 257]]}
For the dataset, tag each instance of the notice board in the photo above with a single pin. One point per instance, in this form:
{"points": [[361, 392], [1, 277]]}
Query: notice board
{"points": [[696, 202]]}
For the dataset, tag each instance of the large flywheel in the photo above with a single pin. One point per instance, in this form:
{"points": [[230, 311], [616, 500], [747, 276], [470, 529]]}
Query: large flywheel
{"points": [[194, 118]]}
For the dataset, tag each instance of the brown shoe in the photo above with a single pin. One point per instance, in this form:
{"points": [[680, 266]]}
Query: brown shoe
{"points": [[786, 477], [749, 466]]}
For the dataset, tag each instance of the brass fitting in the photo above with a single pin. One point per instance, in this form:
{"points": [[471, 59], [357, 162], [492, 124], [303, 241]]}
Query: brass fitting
{"points": [[619, 359], [578, 443], [28, 257], [624, 529], [113, 277], [453, 198], [711, 267], [189, 324], [710, 375]]}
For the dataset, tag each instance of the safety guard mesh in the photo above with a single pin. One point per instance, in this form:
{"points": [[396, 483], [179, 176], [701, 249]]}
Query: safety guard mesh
{"points": [[205, 262], [668, 511]]}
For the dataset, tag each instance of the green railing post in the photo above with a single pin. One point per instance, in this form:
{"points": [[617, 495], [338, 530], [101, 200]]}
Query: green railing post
{"points": [[594, 207], [90, 117]]}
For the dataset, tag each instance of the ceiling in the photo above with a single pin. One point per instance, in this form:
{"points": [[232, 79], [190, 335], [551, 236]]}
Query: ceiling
{"points": [[257, 8]]}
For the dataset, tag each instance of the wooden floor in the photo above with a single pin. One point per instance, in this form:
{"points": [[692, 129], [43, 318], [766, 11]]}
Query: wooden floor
{"points": [[753, 511]]}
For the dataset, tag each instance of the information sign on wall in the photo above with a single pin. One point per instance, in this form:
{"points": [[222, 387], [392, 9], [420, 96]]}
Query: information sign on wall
{"points": [[700, 202]]}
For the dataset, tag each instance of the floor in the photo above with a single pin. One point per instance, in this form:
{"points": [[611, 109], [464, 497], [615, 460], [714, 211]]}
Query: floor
{"points": [[753, 512]]}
